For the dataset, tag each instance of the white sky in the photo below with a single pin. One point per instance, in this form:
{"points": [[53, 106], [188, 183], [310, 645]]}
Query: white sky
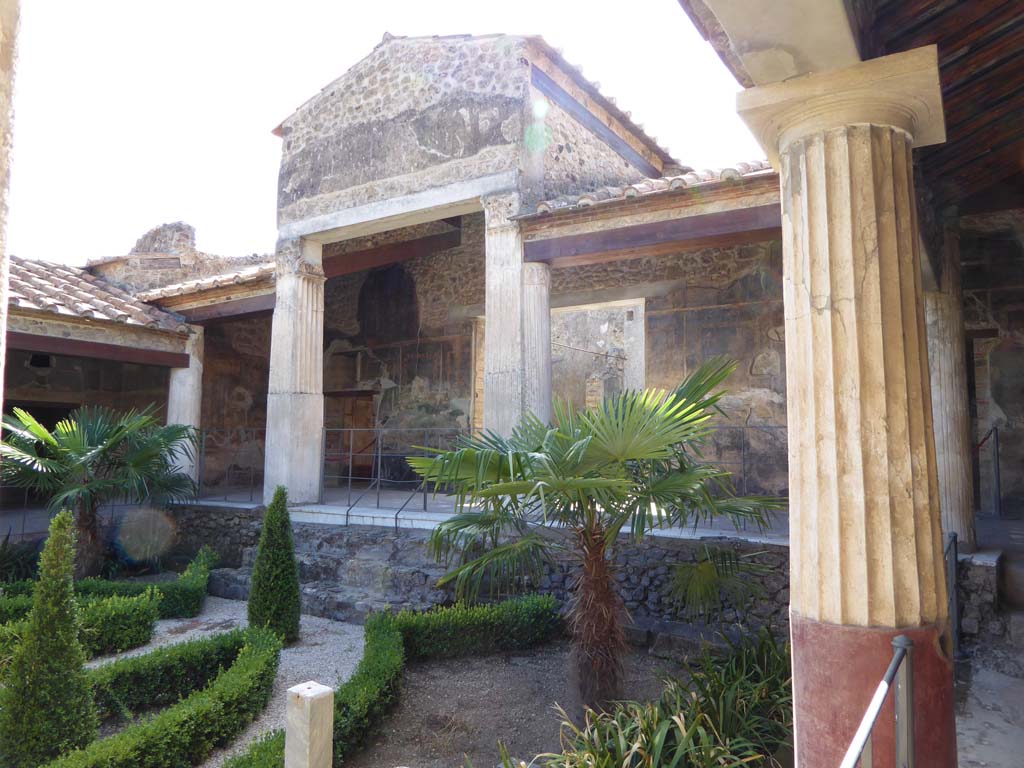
{"points": [[132, 113]]}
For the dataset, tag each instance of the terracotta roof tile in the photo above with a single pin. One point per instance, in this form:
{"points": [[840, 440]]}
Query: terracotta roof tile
{"points": [[42, 286], [655, 186], [237, 277]]}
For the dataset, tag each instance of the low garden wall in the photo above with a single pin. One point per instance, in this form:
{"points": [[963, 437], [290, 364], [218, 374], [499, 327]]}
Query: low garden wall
{"points": [[347, 571]]}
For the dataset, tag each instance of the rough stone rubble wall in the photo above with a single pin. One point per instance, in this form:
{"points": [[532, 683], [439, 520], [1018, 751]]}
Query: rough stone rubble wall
{"points": [[412, 115], [166, 255], [347, 570]]}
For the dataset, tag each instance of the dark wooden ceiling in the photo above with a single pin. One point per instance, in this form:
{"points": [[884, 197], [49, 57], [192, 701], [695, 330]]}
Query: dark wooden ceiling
{"points": [[981, 63]]}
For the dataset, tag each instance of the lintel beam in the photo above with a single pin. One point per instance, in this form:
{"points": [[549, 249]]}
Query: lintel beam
{"points": [[31, 342], [392, 253], [740, 225], [237, 309]]}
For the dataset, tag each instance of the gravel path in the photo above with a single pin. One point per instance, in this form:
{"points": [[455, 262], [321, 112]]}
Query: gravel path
{"points": [[327, 651]]}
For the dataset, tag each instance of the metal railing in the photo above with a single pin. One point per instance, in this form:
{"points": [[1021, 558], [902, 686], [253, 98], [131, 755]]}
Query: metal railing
{"points": [[951, 553], [860, 751], [991, 439], [230, 463], [371, 462]]}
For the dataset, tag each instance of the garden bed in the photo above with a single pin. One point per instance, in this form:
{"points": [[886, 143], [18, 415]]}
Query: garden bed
{"points": [[456, 708]]}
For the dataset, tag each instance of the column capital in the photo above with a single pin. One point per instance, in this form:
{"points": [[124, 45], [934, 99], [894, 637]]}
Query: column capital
{"points": [[499, 209], [902, 90], [299, 256]]}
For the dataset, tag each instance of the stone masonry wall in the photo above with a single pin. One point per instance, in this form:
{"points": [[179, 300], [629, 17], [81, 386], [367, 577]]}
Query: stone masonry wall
{"points": [[414, 114], [347, 571]]}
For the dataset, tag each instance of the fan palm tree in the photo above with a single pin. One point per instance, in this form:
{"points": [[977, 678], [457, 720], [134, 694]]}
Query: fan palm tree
{"points": [[629, 465], [96, 456]]}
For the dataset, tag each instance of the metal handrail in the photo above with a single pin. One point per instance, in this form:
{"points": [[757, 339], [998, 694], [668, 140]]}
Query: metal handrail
{"points": [[951, 553], [901, 670]]}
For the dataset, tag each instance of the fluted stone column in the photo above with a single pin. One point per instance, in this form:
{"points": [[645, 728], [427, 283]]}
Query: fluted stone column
{"points": [[295, 400], [185, 394], [947, 364], [517, 333], [865, 535], [537, 339]]}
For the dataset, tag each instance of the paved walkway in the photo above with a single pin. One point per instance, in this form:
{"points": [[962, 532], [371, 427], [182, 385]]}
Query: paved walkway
{"points": [[990, 720]]}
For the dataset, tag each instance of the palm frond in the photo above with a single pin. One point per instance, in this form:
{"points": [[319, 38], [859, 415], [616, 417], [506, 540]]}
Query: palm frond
{"points": [[718, 577], [503, 569]]}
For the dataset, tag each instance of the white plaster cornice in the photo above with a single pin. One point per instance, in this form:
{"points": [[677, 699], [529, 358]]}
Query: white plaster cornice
{"points": [[902, 90]]}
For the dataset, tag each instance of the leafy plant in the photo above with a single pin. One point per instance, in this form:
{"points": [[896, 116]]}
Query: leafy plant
{"points": [[736, 712], [46, 704], [93, 457], [718, 576], [274, 593], [630, 465]]}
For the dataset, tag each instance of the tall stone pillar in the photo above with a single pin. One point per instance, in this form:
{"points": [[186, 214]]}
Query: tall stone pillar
{"points": [[947, 364], [9, 12], [185, 394], [537, 340], [517, 349], [295, 400], [865, 535]]}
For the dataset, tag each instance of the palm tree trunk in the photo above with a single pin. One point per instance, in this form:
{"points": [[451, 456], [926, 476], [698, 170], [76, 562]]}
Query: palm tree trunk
{"points": [[90, 548], [595, 616]]}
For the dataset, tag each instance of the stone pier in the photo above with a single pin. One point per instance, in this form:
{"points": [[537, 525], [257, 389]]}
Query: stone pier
{"points": [[517, 335], [295, 400], [866, 544], [185, 394]]}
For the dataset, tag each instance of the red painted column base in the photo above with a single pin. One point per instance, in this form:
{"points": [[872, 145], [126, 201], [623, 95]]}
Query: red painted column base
{"points": [[836, 670]]}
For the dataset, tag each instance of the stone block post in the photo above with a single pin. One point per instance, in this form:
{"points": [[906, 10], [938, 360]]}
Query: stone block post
{"points": [[309, 729], [295, 400], [866, 543], [185, 395], [947, 364], [517, 333]]}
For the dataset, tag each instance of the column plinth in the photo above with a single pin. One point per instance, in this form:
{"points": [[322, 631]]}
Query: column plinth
{"points": [[865, 537], [295, 399]]}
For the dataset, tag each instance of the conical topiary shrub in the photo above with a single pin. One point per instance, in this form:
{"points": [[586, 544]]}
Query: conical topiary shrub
{"points": [[46, 705], [274, 592]]}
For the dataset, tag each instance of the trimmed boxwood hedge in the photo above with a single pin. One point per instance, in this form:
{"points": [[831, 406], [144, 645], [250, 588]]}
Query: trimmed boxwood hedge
{"points": [[390, 639], [105, 626], [161, 677], [186, 733], [180, 599]]}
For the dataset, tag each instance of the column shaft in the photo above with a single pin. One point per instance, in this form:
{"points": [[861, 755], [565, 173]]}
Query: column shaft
{"points": [[295, 400], [947, 363], [537, 340], [185, 395]]}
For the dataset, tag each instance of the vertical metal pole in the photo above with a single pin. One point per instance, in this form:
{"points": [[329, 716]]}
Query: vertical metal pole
{"points": [[904, 704], [377, 445], [351, 440], [423, 483], [202, 463], [867, 758], [954, 594], [323, 462], [997, 501]]}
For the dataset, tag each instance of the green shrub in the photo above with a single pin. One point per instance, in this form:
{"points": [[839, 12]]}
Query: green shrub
{"points": [[105, 626], [18, 559], [274, 590], [361, 701], [179, 599], [188, 732], [469, 629], [46, 704], [15, 607], [162, 676]]}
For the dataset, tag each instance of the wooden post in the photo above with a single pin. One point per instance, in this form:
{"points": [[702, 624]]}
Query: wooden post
{"points": [[308, 739]]}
